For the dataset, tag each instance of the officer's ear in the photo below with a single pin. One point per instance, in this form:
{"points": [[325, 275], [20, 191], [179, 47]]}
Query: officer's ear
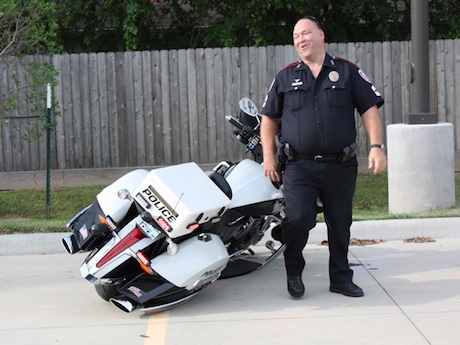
{"points": [[322, 34]]}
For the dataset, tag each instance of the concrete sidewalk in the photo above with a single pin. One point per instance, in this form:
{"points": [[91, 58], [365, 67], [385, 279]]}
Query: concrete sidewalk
{"points": [[412, 296]]}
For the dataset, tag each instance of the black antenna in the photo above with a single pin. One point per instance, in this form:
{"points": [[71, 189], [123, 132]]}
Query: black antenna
{"points": [[174, 209]]}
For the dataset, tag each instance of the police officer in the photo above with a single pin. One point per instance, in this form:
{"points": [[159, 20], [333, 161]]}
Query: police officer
{"points": [[316, 98]]}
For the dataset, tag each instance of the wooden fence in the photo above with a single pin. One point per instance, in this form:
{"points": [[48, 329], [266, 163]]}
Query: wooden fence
{"points": [[153, 108]]}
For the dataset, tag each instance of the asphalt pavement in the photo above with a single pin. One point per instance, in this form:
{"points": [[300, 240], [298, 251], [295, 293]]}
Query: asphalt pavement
{"points": [[412, 296]]}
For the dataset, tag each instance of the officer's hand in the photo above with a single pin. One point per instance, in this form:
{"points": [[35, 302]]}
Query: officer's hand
{"points": [[270, 169], [377, 160]]}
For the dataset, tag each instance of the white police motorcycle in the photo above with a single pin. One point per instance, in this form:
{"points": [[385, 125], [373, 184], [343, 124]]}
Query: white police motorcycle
{"points": [[156, 238]]}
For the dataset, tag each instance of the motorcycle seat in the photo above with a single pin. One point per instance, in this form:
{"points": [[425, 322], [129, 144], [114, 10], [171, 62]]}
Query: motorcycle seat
{"points": [[222, 183]]}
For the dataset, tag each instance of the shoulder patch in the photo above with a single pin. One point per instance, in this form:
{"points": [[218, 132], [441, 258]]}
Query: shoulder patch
{"points": [[364, 76]]}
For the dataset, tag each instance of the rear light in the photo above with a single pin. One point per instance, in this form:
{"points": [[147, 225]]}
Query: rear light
{"points": [[144, 262], [143, 258], [133, 237], [103, 220], [164, 224], [193, 226]]}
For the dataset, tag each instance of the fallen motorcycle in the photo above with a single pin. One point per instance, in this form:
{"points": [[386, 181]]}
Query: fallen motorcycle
{"points": [[156, 238]]}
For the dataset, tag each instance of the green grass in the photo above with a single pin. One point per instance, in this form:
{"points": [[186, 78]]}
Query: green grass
{"points": [[371, 200], [24, 211]]}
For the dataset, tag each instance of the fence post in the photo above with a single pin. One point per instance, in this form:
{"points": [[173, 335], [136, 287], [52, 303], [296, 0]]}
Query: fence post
{"points": [[48, 149]]}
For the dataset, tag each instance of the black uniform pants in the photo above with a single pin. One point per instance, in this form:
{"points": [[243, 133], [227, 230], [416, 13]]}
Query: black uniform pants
{"points": [[334, 183]]}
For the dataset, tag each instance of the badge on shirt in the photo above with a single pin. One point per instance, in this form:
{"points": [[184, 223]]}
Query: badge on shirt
{"points": [[334, 76], [297, 82]]}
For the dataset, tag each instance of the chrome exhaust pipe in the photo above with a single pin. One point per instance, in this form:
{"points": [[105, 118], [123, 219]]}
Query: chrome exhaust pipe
{"points": [[70, 244], [123, 305]]}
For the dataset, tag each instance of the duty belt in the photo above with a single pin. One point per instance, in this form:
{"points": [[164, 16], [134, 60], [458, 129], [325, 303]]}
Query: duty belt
{"points": [[316, 158]]}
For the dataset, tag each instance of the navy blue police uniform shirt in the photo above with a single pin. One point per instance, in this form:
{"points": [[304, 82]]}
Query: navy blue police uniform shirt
{"points": [[318, 114]]}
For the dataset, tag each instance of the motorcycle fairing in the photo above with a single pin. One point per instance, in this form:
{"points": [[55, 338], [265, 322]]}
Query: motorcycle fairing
{"points": [[260, 209], [249, 184], [108, 199], [108, 209], [199, 261]]}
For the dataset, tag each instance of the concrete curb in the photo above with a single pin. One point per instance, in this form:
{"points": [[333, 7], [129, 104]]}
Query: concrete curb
{"points": [[32, 244], [397, 229], [387, 230]]}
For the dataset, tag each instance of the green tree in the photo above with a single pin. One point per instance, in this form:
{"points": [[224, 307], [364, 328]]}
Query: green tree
{"points": [[109, 25], [173, 24], [270, 22], [26, 27], [444, 19], [126, 25]]}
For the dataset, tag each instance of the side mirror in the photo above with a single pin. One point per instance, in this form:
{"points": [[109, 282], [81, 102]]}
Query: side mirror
{"points": [[248, 107], [124, 194]]}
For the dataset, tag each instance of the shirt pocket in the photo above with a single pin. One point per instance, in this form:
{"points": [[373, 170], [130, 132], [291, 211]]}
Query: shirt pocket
{"points": [[336, 94], [295, 96]]}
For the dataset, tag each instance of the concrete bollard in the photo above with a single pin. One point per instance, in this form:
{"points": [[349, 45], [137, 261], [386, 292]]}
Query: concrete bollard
{"points": [[421, 174]]}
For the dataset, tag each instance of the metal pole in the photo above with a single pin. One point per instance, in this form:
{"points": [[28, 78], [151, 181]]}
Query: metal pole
{"points": [[48, 150], [420, 64]]}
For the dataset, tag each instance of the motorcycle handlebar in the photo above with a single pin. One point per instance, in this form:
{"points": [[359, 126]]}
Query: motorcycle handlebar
{"points": [[234, 122]]}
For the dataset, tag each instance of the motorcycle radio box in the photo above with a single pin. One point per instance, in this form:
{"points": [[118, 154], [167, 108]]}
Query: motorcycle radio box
{"points": [[181, 196]]}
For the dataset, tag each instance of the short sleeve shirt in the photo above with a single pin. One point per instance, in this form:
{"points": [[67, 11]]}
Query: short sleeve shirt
{"points": [[318, 114]]}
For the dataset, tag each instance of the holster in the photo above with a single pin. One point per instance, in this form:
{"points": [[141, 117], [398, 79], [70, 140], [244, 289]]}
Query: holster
{"points": [[348, 152], [281, 159], [289, 152]]}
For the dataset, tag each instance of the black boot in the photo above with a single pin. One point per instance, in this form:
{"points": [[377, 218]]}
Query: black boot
{"points": [[295, 286], [350, 289]]}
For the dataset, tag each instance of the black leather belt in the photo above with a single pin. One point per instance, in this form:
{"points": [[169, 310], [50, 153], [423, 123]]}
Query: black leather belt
{"points": [[317, 158]]}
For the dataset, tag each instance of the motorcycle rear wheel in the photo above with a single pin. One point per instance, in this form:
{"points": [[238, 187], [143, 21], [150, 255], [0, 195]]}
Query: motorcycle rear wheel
{"points": [[106, 292]]}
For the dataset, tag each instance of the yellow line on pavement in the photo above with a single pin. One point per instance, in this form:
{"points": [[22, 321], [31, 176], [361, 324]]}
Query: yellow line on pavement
{"points": [[156, 328]]}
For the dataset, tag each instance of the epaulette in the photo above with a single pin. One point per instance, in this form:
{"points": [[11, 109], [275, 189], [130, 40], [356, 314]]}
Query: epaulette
{"points": [[293, 64], [335, 58]]}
